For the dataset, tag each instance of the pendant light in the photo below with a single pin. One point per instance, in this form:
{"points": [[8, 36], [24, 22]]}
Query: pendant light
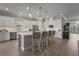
{"points": [[30, 14], [40, 17], [46, 12], [29, 10]]}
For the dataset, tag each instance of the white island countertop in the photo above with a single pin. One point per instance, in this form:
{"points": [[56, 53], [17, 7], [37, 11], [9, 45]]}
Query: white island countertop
{"points": [[25, 33]]}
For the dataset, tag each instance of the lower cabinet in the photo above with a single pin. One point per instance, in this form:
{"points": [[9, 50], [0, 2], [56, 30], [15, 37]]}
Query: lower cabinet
{"points": [[4, 36], [13, 35]]}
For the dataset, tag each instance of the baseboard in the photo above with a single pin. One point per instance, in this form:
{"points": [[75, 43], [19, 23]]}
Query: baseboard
{"points": [[13, 38], [4, 41], [58, 38]]}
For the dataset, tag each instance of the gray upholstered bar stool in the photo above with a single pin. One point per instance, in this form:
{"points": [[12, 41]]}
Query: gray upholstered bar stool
{"points": [[50, 36], [36, 41], [44, 39]]}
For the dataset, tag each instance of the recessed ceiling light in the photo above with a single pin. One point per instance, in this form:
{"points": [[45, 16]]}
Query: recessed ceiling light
{"points": [[30, 14], [21, 13], [77, 22], [6, 8], [47, 16], [40, 17], [27, 8], [37, 12]]}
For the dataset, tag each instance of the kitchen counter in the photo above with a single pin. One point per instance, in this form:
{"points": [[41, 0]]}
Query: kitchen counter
{"points": [[4, 36], [24, 40], [25, 33]]}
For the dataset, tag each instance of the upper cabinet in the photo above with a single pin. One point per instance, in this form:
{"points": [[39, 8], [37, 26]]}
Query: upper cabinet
{"points": [[28, 24], [7, 22]]}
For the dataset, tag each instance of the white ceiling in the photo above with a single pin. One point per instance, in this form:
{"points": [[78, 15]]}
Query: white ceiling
{"points": [[52, 8]]}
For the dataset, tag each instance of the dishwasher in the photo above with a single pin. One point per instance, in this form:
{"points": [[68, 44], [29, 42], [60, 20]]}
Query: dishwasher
{"points": [[13, 35]]}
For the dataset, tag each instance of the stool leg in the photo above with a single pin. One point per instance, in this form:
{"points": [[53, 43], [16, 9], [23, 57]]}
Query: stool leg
{"points": [[33, 48], [39, 48], [42, 43], [51, 40], [47, 43]]}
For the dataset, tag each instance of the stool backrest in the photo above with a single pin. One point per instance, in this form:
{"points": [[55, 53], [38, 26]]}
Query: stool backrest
{"points": [[50, 33], [36, 36], [44, 34], [53, 32]]}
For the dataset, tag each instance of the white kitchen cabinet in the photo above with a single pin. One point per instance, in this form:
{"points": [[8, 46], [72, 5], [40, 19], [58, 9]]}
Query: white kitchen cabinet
{"points": [[7, 21], [4, 36]]}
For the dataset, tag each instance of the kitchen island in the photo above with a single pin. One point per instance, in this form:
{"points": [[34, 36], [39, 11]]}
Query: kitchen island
{"points": [[25, 40]]}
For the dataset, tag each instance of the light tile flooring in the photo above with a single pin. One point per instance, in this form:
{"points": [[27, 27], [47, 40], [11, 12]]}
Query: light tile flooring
{"points": [[60, 47]]}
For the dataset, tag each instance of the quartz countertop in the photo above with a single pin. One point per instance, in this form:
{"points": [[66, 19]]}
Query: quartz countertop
{"points": [[26, 33]]}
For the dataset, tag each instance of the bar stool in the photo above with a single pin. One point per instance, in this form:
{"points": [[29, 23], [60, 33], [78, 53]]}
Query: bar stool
{"points": [[53, 33], [44, 38], [36, 41], [50, 36]]}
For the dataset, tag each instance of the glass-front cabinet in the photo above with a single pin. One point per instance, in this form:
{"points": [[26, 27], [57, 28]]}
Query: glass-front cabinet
{"points": [[74, 28]]}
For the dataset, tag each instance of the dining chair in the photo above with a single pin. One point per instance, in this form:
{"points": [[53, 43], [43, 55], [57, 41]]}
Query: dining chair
{"points": [[44, 39], [36, 41]]}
